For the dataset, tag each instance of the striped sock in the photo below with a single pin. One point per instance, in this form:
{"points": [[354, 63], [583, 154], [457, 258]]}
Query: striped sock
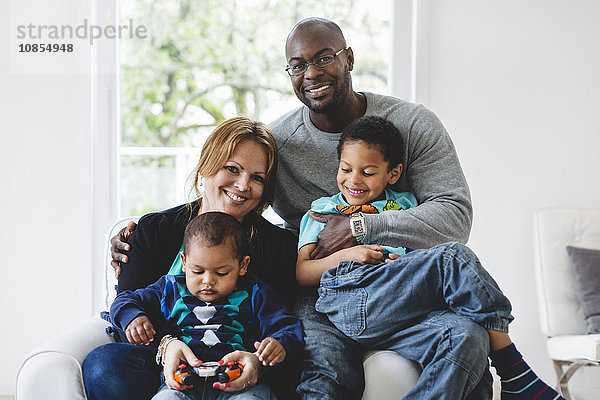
{"points": [[519, 382]]}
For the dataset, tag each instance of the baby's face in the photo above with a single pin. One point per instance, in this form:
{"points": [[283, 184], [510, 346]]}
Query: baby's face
{"points": [[212, 272], [363, 174]]}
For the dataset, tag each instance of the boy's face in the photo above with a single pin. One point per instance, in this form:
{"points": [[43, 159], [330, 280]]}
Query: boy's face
{"points": [[363, 174], [212, 272]]}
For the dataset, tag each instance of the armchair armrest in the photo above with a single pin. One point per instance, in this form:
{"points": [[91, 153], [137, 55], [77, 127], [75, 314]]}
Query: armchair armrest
{"points": [[389, 375], [53, 370]]}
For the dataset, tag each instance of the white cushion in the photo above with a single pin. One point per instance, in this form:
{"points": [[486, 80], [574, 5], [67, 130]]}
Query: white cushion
{"points": [[555, 229], [388, 375], [570, 347], [53, 370], [109, 290]]}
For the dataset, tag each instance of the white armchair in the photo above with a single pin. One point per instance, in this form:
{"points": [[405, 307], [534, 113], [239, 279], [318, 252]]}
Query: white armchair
{"points": [[53, 370], [561, 316]]}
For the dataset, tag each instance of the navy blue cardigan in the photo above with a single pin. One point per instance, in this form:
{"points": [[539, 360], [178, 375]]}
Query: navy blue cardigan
{"points": [[249, 314], [158, 237]]}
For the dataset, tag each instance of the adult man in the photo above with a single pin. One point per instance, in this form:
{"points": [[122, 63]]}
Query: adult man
{"points": [[307, 137], [319, 64]]}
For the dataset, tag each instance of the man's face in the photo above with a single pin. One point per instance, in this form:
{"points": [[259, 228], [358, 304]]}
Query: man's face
{"points": [[320, 89]]}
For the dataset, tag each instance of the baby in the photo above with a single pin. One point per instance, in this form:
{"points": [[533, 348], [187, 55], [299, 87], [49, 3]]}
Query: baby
{"points": [[216, 307]]}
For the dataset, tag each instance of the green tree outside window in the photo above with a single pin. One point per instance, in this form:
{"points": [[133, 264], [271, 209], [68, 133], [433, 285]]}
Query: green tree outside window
{"points": [[206, 61]]}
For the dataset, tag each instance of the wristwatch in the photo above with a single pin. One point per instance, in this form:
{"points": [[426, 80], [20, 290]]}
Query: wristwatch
{"points": [[358, 226]]}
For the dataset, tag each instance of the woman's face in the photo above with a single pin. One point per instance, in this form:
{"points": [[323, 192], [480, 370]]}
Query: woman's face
{"points": [[237, 188]]}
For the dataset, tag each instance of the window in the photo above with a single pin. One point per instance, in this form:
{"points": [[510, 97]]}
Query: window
{"points": [[205, 61]]}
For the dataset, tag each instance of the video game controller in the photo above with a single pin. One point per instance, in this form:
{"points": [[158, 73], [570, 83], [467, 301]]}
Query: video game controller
{"points": [[232, 370], [187, 375]]}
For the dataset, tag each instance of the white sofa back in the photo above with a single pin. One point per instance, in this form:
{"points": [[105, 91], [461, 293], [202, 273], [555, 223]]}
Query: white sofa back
{"points": [[554, 229], [109, 273]]}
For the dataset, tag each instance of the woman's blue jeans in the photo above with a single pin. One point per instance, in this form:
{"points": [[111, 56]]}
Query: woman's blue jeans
{"points": [[432, 306], [118, 371], [121, 371]]}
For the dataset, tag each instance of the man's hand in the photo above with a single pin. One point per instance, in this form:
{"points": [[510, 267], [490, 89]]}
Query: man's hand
{"points": [[140, 330], [269, 351], [334, 237], [118, 245]]}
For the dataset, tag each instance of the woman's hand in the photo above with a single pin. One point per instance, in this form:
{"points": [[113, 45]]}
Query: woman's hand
{"points": [[140, 330], [249, 376], [118, 246], [177, 353]]}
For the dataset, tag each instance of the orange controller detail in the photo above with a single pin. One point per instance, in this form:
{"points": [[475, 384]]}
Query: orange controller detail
{"points": [[187, 375]]}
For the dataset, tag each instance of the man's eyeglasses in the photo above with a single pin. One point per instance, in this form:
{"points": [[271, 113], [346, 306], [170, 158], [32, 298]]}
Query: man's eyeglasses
{"points": [[319, 62]]}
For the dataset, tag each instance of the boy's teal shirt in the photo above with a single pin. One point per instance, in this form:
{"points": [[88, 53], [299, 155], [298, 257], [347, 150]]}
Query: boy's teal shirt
{"points": [[309, 228]]}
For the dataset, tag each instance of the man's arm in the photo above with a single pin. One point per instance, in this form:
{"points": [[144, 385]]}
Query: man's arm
{"points": [[434, 175]]}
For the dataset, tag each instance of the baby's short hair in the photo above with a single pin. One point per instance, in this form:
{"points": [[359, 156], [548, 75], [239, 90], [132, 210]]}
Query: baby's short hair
{"points": [[213, 229], [378, 132]]}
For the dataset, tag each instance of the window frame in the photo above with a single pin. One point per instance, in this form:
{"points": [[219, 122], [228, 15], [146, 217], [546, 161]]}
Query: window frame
{"points": [[407, 79]]}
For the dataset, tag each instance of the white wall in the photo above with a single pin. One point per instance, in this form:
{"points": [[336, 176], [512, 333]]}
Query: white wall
{"points": [[46, 201], [517, 85]]}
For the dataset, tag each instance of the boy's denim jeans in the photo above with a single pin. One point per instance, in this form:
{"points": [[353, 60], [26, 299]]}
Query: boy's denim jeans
{"points": [[371, 302], [430, 306]]}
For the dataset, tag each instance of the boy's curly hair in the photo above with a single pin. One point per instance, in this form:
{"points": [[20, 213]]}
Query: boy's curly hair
{"points": [[375, 131], [213, 229]]}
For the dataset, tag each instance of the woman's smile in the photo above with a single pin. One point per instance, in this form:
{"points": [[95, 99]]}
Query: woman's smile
{"points": [[237, 188], [235, 197]]}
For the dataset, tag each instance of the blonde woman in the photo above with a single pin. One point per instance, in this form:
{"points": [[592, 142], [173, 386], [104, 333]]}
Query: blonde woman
{"points": [[234, 175]]}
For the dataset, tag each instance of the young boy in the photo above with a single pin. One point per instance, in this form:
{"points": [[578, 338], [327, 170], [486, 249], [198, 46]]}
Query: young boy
{"points": [[215, 307], [378, 304]]}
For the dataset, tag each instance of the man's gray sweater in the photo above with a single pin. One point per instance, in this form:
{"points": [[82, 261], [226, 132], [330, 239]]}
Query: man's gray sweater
{"points": [[308, 165]]}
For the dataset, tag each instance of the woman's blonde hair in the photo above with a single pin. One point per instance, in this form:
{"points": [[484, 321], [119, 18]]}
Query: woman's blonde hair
{"points": [[221, 144]]}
